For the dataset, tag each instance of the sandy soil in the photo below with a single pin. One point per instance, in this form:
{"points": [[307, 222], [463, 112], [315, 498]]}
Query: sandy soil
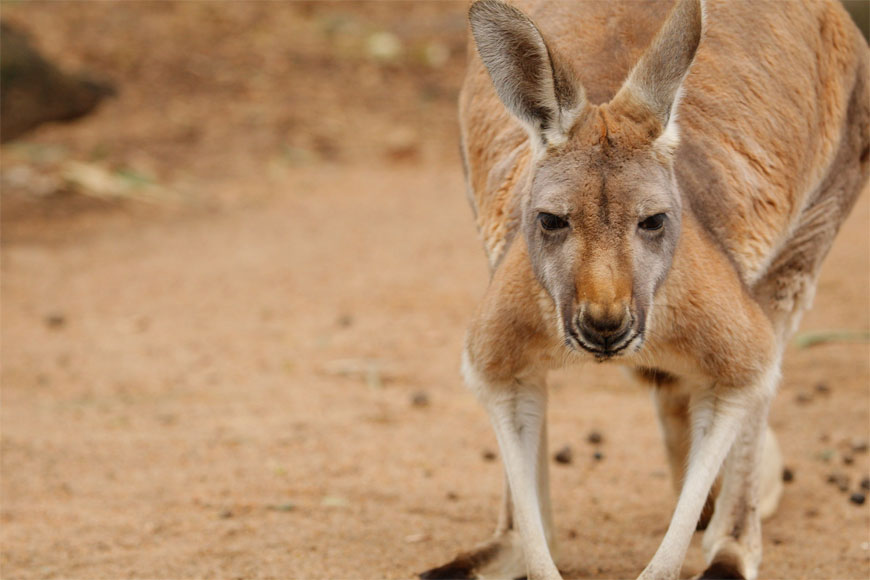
{"points": [[230, 385]]}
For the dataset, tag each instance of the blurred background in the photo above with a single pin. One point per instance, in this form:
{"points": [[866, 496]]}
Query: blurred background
{"points": [[206, 91], [237, 264]]}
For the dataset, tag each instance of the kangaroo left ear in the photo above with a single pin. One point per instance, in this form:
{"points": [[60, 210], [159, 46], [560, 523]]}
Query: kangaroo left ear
{"points": [[534, 86], [655, 80]]}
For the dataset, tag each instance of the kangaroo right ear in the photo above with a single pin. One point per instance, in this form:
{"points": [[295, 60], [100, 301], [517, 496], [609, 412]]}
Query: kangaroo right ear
{"points": [[536, 88]]}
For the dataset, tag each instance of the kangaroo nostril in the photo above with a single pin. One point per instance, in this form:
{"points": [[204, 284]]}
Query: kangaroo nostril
{"points": [[605, 326]]}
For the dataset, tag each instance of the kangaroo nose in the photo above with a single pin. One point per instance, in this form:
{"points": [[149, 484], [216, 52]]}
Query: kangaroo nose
{"points": [[605, 332]]}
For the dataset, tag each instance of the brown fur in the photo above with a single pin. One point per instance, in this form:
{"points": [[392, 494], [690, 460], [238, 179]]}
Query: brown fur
{"points": [[774, 133], [726, 154], [655, 377], [726, 567]]}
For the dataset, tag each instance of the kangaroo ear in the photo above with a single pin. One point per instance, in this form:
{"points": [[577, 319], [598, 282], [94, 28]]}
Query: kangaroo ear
{"points": [[656, 79], [537, 89]]}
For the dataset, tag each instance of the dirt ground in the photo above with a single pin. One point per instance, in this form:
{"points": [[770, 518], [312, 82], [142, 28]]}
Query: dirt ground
{"points": [[243, 360]]}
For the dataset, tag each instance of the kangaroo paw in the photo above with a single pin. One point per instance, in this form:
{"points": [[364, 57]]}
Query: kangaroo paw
{"points": [[499, 558]]}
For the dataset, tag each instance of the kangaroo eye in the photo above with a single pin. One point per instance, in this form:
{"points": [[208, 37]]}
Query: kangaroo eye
{"points": [[551, 222], [653, 222]]}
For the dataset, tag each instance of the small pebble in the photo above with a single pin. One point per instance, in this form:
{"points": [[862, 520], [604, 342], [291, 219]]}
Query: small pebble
{"points": [[787, 475], [848, 459], [55, 320], [420, 399], [416, 538], [594, 437], [225, 514], [452, 496], [598, 456], [565, 455], [841, 480], [823, 388], [857, 498], [345, 320], [860, 445], [488, 455], [865, 484], [803, 398], [167, 418]]}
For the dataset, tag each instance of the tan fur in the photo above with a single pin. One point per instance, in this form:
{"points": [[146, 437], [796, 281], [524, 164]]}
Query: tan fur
{"points": [[756, 157], [746, 151]]}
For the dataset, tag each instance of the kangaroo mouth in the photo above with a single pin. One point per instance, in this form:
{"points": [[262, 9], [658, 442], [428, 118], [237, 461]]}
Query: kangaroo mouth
{"points": [[576, 342]]}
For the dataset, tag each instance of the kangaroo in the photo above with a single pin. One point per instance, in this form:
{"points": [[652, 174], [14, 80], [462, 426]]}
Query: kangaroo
{"points": [[655, 187]]}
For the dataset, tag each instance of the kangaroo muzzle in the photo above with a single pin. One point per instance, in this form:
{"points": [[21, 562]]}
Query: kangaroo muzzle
{"points": [[604, 330]]}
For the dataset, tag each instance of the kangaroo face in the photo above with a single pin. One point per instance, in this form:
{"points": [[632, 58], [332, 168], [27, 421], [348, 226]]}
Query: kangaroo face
{"points": [[602, 218], [602, 222]]}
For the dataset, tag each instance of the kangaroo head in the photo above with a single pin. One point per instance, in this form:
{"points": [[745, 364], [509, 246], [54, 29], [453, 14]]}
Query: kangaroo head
{"points": [[602, 216]]}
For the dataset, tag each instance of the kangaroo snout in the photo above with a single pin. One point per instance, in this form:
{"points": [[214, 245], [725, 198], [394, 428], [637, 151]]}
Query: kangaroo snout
{"points": [[604, 329]]}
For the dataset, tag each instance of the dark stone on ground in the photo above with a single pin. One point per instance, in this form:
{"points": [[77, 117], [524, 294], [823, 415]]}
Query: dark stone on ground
{"points": [[420, 399], [35, 91], [565, 455]]}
